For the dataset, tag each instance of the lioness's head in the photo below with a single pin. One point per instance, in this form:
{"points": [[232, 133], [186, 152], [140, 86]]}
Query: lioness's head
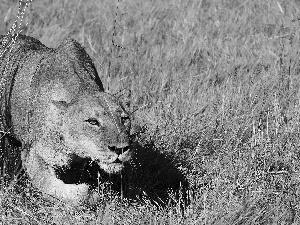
{"points": [[96, 126]]}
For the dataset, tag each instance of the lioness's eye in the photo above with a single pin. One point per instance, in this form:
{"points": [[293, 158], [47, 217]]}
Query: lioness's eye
{"points": [[93, 121], [124, 119]]}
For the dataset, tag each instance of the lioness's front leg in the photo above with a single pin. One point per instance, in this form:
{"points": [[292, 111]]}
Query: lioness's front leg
{"points": [[43, 177]]}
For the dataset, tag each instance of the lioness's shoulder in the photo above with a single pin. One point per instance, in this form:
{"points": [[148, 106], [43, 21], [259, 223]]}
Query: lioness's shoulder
{"points": [[15, 51], [19, 43]]}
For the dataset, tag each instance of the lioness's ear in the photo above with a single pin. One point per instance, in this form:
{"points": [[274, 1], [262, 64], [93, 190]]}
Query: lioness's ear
{"points": [[60, 96], [81, 59], [61, 105]]}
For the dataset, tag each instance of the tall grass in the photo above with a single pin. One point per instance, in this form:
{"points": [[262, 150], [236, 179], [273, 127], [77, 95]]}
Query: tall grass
{"points": [[216, 85]]}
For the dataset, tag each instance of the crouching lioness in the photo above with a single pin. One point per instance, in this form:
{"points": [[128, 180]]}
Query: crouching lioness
{"points": [[53, 102]]}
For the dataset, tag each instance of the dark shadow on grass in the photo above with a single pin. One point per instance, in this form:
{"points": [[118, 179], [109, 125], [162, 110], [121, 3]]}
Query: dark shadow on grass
{"points": [[154, 176]]}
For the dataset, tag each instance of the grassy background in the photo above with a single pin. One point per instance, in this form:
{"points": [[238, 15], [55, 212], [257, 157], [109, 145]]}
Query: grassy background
{"points": [[216, 85]]}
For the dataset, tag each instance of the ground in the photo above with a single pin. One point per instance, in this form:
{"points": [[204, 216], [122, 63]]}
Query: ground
{"points": [[215, 89]]}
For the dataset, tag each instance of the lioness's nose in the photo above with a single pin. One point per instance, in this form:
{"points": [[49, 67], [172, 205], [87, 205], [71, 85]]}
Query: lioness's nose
{"points": [[118, 149]]}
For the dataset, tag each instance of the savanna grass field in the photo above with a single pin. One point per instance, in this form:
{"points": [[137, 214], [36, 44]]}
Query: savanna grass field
{"points": [[214, 102]]}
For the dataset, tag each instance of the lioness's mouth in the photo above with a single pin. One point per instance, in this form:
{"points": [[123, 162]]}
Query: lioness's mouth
{"points": [[119, 150], [117, 161]]}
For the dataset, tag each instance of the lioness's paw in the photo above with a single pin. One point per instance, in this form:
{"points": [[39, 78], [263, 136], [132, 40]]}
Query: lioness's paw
{"points": [[76, 192], [94, 198], [73, 193]]}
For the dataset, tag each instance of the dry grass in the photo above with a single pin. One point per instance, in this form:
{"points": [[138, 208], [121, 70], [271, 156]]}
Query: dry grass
{"points": [[216, 83]]}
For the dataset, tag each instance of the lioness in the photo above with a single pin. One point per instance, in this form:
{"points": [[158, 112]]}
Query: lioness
{"points": [[54, 103]]}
